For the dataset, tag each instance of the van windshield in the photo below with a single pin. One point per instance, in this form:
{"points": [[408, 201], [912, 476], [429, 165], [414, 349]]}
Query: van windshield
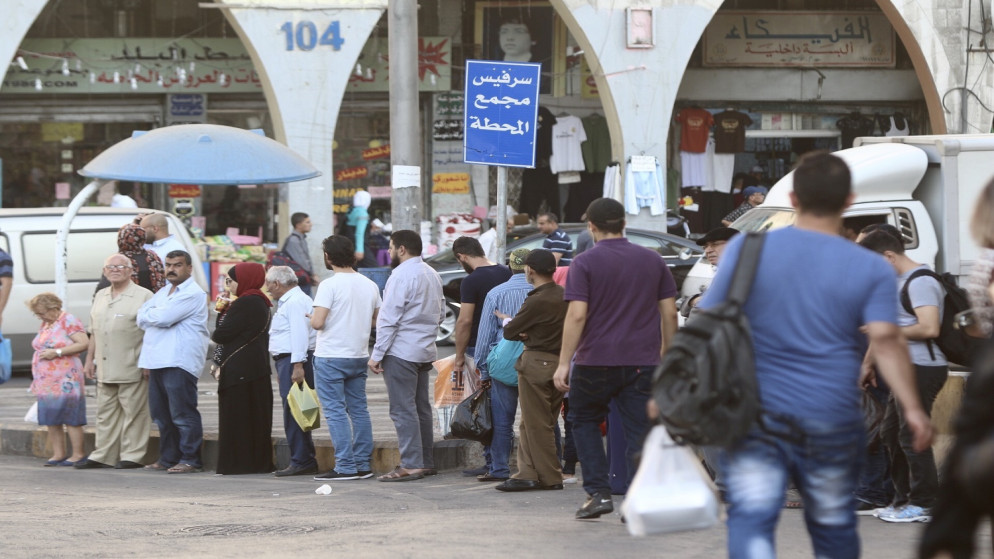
{"points": [[764, 219]]}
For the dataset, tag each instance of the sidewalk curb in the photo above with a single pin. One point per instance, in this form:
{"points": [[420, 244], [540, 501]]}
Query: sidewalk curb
{"points": [[32, 440]]}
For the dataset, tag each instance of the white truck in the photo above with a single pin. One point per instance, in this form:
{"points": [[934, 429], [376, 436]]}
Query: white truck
{"points": [[926, 186]]}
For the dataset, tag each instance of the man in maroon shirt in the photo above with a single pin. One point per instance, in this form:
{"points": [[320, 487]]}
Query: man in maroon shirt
{"points": [[621, 316]]}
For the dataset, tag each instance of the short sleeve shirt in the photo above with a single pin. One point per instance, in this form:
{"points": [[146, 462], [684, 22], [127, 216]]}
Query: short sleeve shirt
{"points": [[559, 241], [474, 289], [622, 284], [729, 131], [695, 128], [924, 291]]}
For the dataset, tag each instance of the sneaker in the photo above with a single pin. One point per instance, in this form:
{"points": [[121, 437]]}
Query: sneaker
{"points": [[888, 510], [910, 513], [596, 505], [364, 474], [335, 476], [867, 509], [569, 479]]}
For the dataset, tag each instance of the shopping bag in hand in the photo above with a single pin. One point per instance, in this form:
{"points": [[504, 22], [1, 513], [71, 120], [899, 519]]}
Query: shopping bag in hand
{"points": [[671, 491], [304, 406], [472, 419]]}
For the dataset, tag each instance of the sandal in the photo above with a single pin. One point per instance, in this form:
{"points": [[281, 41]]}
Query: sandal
{"points": [[156, 466], [183, 468], [400, 474]]}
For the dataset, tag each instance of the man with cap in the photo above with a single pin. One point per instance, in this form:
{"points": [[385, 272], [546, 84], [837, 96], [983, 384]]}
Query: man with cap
{"points": [[617, 326], [754, 196], [539, 324], [505, 298], [714, 244]]}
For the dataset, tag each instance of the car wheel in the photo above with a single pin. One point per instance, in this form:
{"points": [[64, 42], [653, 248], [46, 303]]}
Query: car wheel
{"points": [[447, 329]]}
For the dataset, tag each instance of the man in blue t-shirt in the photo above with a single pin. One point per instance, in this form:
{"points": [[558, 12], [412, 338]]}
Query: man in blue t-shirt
{"points": [[556, 241], [813, 292], [621, 315]]}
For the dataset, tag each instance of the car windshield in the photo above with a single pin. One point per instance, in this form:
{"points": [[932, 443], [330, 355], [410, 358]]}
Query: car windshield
{"points": [[764, 219]]}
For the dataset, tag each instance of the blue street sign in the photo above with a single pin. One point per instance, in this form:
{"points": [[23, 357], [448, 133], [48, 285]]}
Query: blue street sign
{"points": [[501, 112]]}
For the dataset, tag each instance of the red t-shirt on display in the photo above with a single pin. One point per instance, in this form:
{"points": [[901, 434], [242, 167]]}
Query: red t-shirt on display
{"points": [[695, 127]]}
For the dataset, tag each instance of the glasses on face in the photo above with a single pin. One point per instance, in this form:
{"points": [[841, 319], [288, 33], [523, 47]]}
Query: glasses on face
{"points": [[116, 267]]}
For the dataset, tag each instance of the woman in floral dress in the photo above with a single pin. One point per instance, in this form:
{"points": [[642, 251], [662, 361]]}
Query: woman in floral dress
{"points": [[58, 377]]}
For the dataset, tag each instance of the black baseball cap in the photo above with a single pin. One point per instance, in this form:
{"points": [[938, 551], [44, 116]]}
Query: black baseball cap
{"points": [[719, 234], [541, 261], [605, 210]]}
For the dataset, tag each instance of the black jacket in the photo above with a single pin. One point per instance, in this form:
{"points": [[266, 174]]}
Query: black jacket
{"points": [[245, 319]]}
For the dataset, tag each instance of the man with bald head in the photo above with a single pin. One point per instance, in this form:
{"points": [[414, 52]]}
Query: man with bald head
{"points": [[123, 420], [157, 235]]}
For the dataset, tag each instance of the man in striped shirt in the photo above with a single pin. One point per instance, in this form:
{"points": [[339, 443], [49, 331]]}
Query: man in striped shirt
{"points": [[556, 241]]}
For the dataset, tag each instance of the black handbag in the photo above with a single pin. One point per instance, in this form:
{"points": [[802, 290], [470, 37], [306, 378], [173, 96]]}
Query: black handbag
{"points": [[472, 419]]}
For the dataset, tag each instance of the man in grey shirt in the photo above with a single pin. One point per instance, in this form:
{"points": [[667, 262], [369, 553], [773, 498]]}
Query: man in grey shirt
{"points": [[296, 247], [413, 307]]}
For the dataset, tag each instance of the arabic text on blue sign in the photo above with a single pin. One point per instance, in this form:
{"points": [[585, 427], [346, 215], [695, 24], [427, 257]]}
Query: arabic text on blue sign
{"points": [[501, 112]]}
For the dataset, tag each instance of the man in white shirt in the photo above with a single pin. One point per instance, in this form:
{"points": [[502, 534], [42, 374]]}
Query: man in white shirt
{"points": [[345, 308], [291, 342], [157, 235], [122, 198], [406, 327], [174, 350]]}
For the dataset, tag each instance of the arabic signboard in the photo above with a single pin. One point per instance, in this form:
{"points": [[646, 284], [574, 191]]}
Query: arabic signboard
{"points": [[133, 65], [434, 66], [186, 108], [501, 113], [822, 39]]}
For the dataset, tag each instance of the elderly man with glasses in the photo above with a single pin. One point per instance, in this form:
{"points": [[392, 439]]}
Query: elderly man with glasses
{"points": [[123, 420]]}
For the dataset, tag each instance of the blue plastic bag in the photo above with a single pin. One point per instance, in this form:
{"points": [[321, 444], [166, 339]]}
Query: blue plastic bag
{"points": [[6, 356], [501, 360]]}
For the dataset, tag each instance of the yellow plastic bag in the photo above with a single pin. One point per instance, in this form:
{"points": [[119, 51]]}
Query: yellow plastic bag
{"points": [[304, 406]]}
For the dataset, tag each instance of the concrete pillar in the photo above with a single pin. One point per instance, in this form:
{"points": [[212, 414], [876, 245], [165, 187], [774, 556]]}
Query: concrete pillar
{"points": [[304, 82], [14, 24]]}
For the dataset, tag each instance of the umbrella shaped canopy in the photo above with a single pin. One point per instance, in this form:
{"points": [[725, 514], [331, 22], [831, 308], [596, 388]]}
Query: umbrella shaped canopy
{"points": [[200, 154]]}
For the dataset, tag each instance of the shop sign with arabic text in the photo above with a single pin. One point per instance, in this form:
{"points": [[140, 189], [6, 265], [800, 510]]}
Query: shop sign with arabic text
{"points": [[434, 66], [821, 39]]}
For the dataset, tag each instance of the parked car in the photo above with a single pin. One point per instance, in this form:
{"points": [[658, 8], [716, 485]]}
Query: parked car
{"points": [[680, 255], [28, 234]]}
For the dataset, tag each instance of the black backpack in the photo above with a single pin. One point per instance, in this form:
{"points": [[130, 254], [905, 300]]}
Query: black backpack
{"points": [[956, 344], [706, 387], [282, 258]]}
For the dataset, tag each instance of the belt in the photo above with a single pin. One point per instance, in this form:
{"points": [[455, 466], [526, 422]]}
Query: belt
{"points": [[279, 356]]}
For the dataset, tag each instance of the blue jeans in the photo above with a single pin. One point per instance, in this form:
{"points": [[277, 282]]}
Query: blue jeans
{"points": [[300, 443], [172, 401], [592, 389], [822, 459], [341, 386], [503, 406]]}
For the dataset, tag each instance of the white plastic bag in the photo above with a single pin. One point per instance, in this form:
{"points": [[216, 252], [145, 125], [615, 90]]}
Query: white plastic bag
{"points": [[671, 491], [32, 415]]}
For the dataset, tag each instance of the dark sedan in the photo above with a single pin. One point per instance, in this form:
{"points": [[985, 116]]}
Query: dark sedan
{"points": [[680, 255]]}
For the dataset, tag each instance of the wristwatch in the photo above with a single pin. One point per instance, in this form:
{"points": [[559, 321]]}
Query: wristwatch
{"points": [[58, 353]]}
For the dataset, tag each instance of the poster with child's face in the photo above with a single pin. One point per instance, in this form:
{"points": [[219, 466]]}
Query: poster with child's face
{"points": [[518, 32]]}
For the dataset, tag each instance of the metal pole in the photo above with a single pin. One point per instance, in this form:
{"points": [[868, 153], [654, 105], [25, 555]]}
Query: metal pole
{"points": [[501, 213], [405, 129], [62, 236]]}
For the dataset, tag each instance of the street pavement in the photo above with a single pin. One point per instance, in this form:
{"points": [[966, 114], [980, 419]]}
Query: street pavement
{"points": [[62, 512]]}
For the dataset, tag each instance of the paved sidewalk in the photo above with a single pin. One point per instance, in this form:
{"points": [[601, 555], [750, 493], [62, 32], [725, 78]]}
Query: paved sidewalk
{"points": [[20, 438]]}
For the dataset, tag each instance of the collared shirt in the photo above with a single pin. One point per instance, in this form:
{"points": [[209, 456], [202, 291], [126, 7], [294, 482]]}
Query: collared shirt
{"points": [[506, 298], [175, 327], [162, 247], [117, 337], [413, 307], [541, 316], [296, 247], [290, 331], [559, 241]]}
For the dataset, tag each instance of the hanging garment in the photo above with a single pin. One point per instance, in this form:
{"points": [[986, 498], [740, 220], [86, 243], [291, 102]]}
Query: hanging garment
{"points": [[722, 171], [597, 149], [895, 126], [695, 128], [693, 168], [729, 131], [645, 188], [567, 135], [612, 182]]}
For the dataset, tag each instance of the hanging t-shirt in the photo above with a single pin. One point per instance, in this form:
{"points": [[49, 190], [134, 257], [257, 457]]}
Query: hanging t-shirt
{"points": [[597, 149], [695, 128], [567, 135], [730, 131]]}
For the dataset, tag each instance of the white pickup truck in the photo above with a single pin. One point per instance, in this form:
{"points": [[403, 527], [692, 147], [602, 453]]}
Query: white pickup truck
{"points": [[926, 186]]}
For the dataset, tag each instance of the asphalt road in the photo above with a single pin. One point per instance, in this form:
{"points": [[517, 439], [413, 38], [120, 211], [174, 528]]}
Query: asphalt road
{"points": [[62, 512]]}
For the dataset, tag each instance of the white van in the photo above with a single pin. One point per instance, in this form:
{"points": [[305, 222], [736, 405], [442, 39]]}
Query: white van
{"points": [[28, 234]]}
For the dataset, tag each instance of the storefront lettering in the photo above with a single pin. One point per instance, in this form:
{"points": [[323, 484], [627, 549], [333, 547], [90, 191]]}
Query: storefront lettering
{"points": [[306, 35], [351, 173], [450, 183], [176, 54], [376, 153], [184, 190], [520, 129], [434, 67], [764, 33]]}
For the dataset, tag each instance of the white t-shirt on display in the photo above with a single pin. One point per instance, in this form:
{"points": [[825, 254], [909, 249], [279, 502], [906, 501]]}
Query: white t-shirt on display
{"points": [[351, 299], [567, 135]]}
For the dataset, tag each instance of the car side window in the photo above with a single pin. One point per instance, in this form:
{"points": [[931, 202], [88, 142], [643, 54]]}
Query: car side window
{"points": [[650, 243], [86, 253]]}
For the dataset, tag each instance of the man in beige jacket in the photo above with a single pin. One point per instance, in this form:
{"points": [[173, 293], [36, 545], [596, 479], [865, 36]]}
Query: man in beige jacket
{"points": [[123, 420]]}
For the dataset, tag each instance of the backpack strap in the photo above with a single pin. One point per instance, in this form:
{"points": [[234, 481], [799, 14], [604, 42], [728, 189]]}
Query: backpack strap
{"points": [[745, 268], [906, 298]]}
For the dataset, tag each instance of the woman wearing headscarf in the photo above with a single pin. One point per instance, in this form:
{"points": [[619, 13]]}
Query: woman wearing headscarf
{"points": [[245, 392], [357, 228], [146, 266]]}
